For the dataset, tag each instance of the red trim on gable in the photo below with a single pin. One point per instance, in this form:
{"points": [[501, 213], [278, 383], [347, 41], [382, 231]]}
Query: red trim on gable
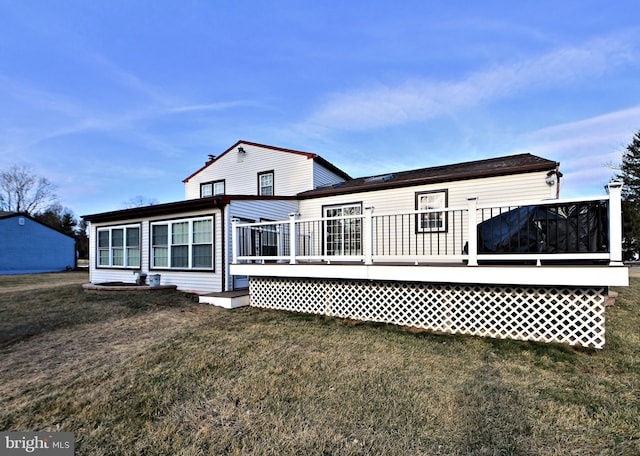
{"points": [[309, 155]]}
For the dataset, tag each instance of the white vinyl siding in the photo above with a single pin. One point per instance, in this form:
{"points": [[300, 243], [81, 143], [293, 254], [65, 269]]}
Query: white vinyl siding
{"points": [[517, 187], [323, 177], [521, 187], [294, 173]]}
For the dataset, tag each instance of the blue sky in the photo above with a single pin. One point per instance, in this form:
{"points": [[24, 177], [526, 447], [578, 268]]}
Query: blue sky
{"points": [[114, 99]]}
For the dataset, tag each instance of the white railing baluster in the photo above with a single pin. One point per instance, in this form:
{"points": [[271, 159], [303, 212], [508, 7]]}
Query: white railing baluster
{"points": [[367, 235], [293, 237], [472, 235], [615, 224], [234, 241]]}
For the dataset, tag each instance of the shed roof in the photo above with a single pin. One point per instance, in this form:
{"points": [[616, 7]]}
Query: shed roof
{"points": [[500, 166], [176, 207]]}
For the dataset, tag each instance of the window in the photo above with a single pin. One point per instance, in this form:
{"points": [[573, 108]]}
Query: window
{"points": [[206, 190], [218, 188], [265, 183], [209, 189], [119, 247], [182, 244], [343, 236], [431, 221]]}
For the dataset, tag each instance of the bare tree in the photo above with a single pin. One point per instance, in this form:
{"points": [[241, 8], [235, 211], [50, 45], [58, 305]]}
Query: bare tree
{"points": [[22, 191], [139, 201]]}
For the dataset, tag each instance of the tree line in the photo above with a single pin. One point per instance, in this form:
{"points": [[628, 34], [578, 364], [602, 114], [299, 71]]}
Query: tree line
{"points": [[24, 192]]}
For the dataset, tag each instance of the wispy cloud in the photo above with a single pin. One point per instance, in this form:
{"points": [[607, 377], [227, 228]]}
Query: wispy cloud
{"points": [[588, 149], [418, 99]]}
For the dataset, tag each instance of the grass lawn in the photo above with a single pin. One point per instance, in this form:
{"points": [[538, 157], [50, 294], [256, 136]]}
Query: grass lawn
{"points": [[158, 373]]}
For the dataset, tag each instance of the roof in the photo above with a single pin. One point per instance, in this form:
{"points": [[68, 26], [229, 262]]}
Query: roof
{"points": [[501, 166], [176, 207], [311, 156], [7, 215]]}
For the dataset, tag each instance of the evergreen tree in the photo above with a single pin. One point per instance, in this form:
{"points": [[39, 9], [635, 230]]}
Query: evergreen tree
{"points": [[629, 174]]}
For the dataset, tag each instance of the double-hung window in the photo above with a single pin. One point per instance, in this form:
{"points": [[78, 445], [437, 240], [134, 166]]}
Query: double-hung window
{"points": [[182, 244], [265, 183], [432, 220], [119, 247]]}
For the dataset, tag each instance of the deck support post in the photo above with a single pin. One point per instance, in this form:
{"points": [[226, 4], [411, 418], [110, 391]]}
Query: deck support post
{"points": [[367, 235], [472, 234], [293, 237], [234, 241], [615, 224]]}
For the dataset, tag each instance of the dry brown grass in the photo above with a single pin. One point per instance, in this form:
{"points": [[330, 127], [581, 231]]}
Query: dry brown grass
{"points": [[144, 373]]}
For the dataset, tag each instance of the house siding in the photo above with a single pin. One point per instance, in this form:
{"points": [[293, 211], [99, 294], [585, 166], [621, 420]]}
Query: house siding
{"points": [[530, 186], [399, 231], [293, 173], [322, 176], [27, 246]]}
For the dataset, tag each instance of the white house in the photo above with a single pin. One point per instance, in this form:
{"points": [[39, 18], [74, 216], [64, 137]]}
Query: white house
{"points": [[188, 242], [484, 247]]}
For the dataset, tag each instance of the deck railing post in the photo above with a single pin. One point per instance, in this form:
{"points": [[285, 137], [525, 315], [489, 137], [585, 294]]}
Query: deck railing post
{"points": [[367, 234], [615, 224], [472, 234], [293, 237], [234, 241]]}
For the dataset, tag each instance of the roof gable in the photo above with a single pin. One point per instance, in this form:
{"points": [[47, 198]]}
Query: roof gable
{"points": [[7, 215], [501, 166], [308, 155]]}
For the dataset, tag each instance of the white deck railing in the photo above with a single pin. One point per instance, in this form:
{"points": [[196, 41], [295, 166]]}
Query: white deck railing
{"points": [[594, 230]]}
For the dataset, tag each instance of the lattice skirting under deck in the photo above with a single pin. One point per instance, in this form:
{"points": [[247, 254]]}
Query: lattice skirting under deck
{"points": [[568, 315]]}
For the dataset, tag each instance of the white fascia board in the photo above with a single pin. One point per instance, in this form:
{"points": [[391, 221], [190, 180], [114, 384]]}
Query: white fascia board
{"points": [[511, 275]]}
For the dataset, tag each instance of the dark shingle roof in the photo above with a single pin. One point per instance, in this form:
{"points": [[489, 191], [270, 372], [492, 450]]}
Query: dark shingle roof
{"points": [[513, 164]]}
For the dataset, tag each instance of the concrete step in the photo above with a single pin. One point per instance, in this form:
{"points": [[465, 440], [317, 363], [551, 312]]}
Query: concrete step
{"points": [[226, 299]]}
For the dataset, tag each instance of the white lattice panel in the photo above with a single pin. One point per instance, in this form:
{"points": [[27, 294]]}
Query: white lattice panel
{"points": [[568, 315]]}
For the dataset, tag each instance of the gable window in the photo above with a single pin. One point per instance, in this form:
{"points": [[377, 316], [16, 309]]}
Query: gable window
{"points": [[265, 183], [343, 236], [209, 189], [119, 247], [182, 244], [432, 221]]}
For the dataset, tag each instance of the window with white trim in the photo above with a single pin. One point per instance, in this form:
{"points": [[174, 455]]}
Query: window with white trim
{"points": [[431, 221], [265, 183], [209, 189], [182, 244], [119, 247], [343, 236]]}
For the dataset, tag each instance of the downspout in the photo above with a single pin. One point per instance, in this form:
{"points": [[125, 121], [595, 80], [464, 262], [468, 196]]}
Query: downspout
{"points": [[558, 176]]}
